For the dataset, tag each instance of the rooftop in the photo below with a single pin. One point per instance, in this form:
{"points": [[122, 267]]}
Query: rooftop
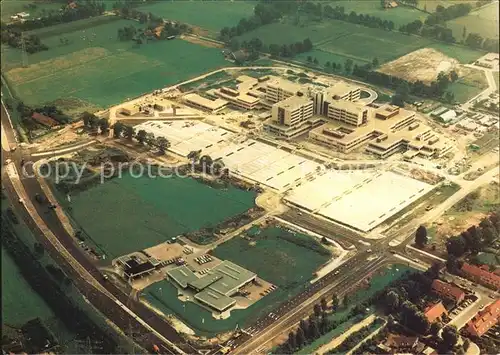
{"points": [[284, 84], [348, 106], [182, 275], [203, 101], [447, 290], [340, 89], [435, 311], [293, 102], [485, 319], [233, 277], [215, 299]]}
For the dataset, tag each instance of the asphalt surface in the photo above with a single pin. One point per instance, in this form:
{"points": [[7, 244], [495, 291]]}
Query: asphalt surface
{"points": [[107, 306]]}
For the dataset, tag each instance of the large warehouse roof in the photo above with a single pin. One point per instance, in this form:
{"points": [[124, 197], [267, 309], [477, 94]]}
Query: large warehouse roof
{"points": [[215, 300], [182, 275], [361, 199], [233, 277]]}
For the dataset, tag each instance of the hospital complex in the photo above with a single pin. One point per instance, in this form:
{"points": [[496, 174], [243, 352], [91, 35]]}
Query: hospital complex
{"points": [[334, 116]]}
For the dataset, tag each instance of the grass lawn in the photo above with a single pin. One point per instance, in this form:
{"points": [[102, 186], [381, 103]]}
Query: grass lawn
{"points": [[101, 71], [430, 5], [400, 15], [338, 40], [209, 15], [279, 261], [483, 21], [130, 214]]}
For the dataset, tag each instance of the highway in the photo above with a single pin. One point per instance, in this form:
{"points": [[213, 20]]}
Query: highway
{"points": [[113, 307]]}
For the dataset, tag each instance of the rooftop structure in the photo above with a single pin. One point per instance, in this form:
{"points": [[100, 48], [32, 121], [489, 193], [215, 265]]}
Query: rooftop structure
{"points": [[435, 312], [44, 120], [352, 113], [448, 291], [483, 276], [484, 320], [217, 286], [291, 117], [278, 89], [244, 96], [343, 91], [361, 199], [203, 103], [391, 130]]}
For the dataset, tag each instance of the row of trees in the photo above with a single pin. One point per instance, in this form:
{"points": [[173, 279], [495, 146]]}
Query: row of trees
{"points": [[13, 38], [475, 238], [93, 122], [264, 13], [289, 51], [310, 330], [121, 130], [338, 13], [443, 14]]}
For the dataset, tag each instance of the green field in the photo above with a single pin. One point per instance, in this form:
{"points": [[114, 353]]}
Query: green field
{"points": [[400, 15], [483, 21], [279, 261], [469, 85], [430, 5], [130, 214], [101, 71], [209, 15], [338, 40]]}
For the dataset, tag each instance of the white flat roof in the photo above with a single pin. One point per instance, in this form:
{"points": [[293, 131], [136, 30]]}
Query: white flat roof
{"points": [[361, 199]]}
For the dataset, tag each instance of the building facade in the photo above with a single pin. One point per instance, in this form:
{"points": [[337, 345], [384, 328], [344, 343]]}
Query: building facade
{"points": [[348, 112]]}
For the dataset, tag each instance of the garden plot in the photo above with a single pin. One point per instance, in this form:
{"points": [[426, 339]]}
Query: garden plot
{"points": [[360, 199]]}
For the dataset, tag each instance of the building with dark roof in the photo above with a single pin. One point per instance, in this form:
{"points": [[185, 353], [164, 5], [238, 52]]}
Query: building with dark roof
{"points": [[44, 120], [448, 291]]}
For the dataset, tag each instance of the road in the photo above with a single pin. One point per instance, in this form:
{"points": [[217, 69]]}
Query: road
{"points": [[147, 327]]}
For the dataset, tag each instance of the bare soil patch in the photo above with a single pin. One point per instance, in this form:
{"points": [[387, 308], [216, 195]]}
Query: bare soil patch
{"points": [[424, 64]]}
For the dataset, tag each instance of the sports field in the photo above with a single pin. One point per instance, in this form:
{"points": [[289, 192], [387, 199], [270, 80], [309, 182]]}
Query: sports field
{"points": [[483, 21], [100, 70], [130, 214], [346, 40], [279, 261], [209, 15]]}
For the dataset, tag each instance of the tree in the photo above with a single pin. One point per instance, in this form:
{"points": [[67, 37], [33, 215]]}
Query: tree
{"points": [[150, 139], [292, 343], [375, 62], [194, 155], [453, 76], [141, 136], [118, 129], [104, 125], [162, 143], [421, 236], [309, 59], [314, 330], [317, 310], [300, 338], [466, 344], [392, 301], [335, 301], [39, 249], [129, 132], [464, 34], [234, 44], [450, 336], [435, 328], [324, 304], [315, 61], [307, 44]]}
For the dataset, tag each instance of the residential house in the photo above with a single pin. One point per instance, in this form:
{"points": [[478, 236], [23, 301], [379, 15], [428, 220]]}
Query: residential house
{"points": [[448, 291], [482, 275], [44, 120], [435, 312], [484, 320]]}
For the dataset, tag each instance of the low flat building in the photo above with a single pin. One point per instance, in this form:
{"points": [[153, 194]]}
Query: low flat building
{"points": [[215, 288], [484, 320], [448, 291], [205, 104], [481, 275]]}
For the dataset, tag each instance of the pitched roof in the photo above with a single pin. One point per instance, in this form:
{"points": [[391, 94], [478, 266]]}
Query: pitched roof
{"points": [[484, 319], [400, 341], [447, 290], [477, 271], [434, 312], [44, 120]]}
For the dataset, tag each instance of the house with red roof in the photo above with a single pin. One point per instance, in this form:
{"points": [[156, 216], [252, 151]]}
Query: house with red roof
{"points": [[448, 291], [482, 275], [484, 320], [44, 120], [435, 312]]}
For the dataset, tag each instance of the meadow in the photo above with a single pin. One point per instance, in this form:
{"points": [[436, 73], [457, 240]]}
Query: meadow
{"points": [[343, 40], [98, 69], [483, 21], [209, 15], [129, 214]]}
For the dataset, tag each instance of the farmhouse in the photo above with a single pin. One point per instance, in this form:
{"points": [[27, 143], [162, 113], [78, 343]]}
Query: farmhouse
{"points": [[216, 287]]}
